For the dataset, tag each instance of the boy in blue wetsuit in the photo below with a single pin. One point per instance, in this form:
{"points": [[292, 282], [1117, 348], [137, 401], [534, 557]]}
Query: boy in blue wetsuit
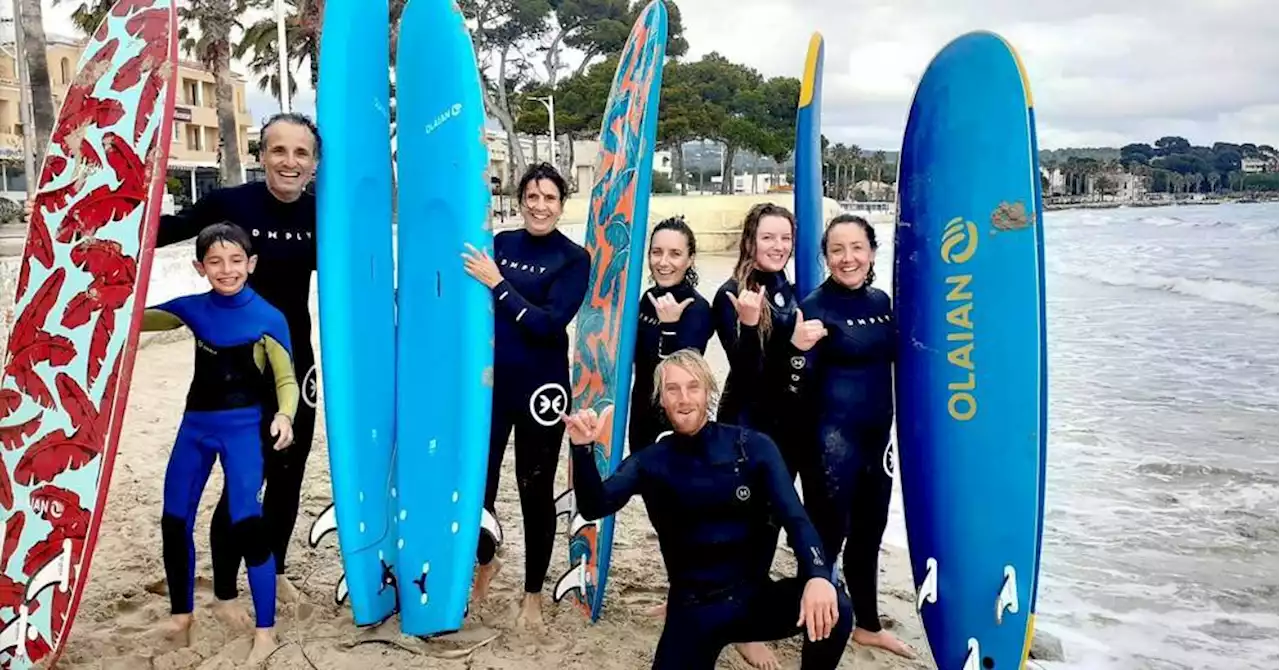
{"points": [[716, 494], [237, 333]]}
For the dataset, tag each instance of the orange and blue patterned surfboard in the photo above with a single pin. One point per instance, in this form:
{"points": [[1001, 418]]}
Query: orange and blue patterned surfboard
{"points": [[79, 301], [606, 329]]}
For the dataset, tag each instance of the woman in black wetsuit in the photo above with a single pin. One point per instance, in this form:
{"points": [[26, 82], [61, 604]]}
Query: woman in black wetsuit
{"points": [[538, 277], [844, 372], [673, 316], [755, 316]]}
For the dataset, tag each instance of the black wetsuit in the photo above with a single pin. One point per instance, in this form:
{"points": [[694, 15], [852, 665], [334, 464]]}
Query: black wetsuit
{"points": [[716, 500], [846, 381], [754, 391], [544, 282], [655, 341], [283, 238]]}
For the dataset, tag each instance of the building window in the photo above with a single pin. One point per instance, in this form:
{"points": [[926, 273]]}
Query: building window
{"points": [[177, 132], [195, 138], [64, 67], [191, 92]]}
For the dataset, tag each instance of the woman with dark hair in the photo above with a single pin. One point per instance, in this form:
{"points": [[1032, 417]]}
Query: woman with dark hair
{"points": [[539, 278], [673, 316], [844, 376], [280, 217]]}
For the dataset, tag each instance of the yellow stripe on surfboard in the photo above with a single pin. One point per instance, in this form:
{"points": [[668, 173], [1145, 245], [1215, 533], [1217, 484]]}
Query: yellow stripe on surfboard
{"points": [[810, 70]]}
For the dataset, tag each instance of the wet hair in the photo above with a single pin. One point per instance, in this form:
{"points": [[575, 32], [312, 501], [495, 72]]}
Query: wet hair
{"points": [[678, 224], [690, 361], [226, 232], [546, 171], [747, 254], [866, 228], [296, 119]]}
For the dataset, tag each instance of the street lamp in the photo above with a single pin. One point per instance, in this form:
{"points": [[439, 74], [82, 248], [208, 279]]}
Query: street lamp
{"points": [[550, 103]]}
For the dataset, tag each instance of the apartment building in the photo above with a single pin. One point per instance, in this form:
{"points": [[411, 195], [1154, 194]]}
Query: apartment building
{"points": [[194, 151]]}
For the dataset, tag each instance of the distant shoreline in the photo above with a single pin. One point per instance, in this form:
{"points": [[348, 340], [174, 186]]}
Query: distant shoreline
{"points": [[1057, 206]]}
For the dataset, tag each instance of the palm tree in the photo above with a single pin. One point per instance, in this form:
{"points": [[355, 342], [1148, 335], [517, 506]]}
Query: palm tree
{"points": [[37, 56], [302, 37], [214, 19]]}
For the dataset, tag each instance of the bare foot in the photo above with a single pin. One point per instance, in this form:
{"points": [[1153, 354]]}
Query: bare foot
{"points": [[264, 643], [179, 630], [286, 592], [657, 611], [231, 614], [883, 640], [530, 616], [758, 656], [484, 578]]}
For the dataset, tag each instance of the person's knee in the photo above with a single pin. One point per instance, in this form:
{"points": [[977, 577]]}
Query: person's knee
{"points": [[252, 532], [173, 528], [844, 605]]}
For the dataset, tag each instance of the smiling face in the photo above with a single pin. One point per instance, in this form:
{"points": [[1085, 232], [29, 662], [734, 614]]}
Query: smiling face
{"points": [[774, 243], [849, 254], [541, 206], [289, 157], [226, 266], [684, 398], [669, 258]]}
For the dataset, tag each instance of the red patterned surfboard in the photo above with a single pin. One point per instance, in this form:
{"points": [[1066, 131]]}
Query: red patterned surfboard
{"points": [[78, 308]]}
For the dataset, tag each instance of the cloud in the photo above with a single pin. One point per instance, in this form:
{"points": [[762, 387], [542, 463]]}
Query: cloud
{"points": [[1103, 73]]}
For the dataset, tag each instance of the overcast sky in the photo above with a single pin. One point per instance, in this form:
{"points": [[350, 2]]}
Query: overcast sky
{"points": [[1103, 72]]}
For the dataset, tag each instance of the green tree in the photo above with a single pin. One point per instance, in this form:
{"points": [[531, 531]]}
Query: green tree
{"points": [[213, 20], [303, 20]]}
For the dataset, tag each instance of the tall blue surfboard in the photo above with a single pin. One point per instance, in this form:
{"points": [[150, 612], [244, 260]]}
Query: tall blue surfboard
{"points": [[445, 332], [971, 386], [357, 309], [605, 336], [808, 187]]}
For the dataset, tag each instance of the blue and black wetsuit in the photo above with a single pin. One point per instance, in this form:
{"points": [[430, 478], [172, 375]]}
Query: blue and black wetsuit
{"points": [[654, 342], [236, 337], [284, 240], [716, 499], [754, 391], [544, 283], [846, 380]]}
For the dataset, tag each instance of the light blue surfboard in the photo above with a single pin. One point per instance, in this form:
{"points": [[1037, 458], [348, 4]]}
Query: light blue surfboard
{"points": [[357, 309], [445, 331], [605, 336], [971, 385], [808, 187]]}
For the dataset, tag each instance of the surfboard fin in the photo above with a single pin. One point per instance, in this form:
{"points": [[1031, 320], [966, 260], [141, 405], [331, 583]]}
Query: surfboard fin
{"points": [[973, 660], [324, 524], [574, 579], [1008, 599], [340, 590], [567, 506], [928, 592], [490, 525], [56, 572]]}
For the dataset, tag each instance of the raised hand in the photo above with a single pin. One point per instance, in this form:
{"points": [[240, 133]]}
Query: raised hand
{"points": [[807, 333], [748, 304], [668, 309]]}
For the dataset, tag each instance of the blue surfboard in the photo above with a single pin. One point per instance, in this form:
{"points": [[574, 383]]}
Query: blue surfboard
{"points": [[605, 336], [357, 309], [808, 187], [971, 386], [445, 331]]}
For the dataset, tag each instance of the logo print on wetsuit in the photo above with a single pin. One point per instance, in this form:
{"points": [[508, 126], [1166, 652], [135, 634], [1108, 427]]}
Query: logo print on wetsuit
{"points": [[888, 461], [743, 493], [547, 403], [310, 390]]}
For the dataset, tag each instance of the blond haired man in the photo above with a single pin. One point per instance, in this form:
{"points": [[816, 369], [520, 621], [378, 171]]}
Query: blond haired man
{"points": [[716, 494]]}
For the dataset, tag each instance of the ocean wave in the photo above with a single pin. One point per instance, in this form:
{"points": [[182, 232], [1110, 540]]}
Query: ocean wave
{"points": [[1206, 288], [1198, 472]]}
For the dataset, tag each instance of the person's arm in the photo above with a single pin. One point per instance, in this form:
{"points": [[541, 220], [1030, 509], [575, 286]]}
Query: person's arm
{"points": [[567, 291], [157, 318], [692, 331], [285, 381], [779, 487], [741, 342], [188, 222], [598, 498]]}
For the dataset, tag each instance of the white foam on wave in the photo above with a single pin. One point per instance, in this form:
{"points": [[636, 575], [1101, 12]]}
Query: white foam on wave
{"points": [[1205, 288]]}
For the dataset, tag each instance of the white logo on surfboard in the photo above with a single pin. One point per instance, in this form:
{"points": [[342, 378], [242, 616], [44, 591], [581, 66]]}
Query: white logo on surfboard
{"points": [[444, 116]]}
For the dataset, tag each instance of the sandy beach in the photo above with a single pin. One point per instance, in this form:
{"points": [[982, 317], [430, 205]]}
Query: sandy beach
{"points": [[118, 616]]}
